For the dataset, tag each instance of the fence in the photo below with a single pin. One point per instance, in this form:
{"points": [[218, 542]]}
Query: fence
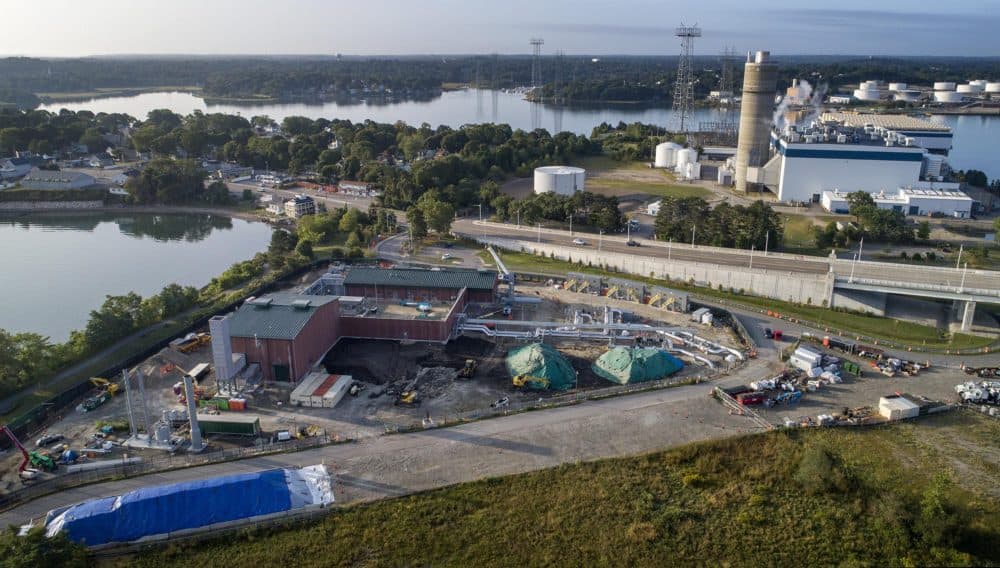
{"points": [[172, 461]]}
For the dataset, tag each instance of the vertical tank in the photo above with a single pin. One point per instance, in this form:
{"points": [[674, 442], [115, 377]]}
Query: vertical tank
{"points": [[666, 154], [760, 80]]}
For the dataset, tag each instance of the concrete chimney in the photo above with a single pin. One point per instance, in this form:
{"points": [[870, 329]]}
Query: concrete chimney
{"points": [[222, 349], [760, 81]]}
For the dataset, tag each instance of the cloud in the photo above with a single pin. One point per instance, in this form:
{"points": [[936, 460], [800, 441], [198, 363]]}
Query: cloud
{"points": [[851, 22], [606, 29]]}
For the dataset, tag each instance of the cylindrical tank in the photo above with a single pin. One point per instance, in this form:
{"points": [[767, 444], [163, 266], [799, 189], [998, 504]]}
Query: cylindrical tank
{"points": [[685, 157], [944, 86], [908, 95], [760, 78], [979, 84], [993, 87], [692, 170], [948, 97], [896, 87], [867, 94], [666, 154], [966, 89], [564, 180]]}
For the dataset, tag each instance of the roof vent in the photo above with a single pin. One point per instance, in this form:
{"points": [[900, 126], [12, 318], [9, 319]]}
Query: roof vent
{"points": [[262, 302], [301, 304]]}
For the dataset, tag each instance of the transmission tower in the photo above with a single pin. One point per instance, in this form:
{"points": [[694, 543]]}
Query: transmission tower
{"points": [[536, 62], [723, 129], [684, 89]]}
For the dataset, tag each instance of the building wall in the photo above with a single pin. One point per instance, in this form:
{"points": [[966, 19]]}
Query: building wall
{"points": [[418, 294], [300, 354], [405, 329], [802, 178]]}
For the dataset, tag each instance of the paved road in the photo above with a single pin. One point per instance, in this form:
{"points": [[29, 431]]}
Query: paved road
{"points": [[908, 274], [398, 464]]}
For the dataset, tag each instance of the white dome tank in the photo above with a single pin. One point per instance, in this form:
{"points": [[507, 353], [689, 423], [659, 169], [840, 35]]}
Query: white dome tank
{"points": [[685, 157], [948, 97], [944, 86], [979, 84], [993, 87], [896, 87], [666, 154], [867, 94], [564, 180], [966, 89]]}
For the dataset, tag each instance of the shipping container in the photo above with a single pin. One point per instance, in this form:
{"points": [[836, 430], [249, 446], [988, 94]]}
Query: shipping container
{"points": [[229, 424]]}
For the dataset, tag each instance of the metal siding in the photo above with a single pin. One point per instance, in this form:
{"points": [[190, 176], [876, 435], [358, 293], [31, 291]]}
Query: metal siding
{"points": [[315, 339]]}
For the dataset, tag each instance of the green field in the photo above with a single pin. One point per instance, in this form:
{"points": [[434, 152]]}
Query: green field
{"points": [[920, 493], [904, 332], [619, 177]]}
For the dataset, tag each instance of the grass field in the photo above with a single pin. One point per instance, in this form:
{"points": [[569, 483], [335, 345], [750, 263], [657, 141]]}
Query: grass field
{"points": [[880, 327], [620, 178], [920, 493], [799, 229]]}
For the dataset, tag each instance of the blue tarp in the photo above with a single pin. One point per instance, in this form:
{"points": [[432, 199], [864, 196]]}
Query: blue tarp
{"points": [[168, 508]]}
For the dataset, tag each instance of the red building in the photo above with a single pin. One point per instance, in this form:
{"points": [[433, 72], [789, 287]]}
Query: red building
{"points": [[421, 285], [286, 334]]}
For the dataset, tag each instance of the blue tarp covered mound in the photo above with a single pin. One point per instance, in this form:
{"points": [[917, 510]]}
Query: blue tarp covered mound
{"points": [[168, 508]]}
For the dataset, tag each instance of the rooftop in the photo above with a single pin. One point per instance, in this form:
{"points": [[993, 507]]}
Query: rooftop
{"points": [[281, 315], [419, 278], [887, 121], [47, 176]]}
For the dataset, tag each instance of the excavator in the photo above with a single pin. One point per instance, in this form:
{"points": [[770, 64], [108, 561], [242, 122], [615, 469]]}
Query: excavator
{"points": [[529, 381], [110, 387], [106, 390], [36, 459], [468, 370]]}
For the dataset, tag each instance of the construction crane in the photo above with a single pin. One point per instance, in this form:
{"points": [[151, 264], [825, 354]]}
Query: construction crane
{"points": [[36, 459], [521, 381]]}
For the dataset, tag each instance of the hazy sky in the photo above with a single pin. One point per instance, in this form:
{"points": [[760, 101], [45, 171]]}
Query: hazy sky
{"points": [[865, 27]]}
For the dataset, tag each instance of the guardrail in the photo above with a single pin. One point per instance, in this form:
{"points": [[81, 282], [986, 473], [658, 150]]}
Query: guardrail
{"points": [[919, 286]]}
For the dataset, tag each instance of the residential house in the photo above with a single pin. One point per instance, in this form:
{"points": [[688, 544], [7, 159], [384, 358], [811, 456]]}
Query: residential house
{"points": [[299, 206], [56, 180]]}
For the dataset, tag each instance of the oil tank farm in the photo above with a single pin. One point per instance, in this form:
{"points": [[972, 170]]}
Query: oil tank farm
{"points": [[760, 80], [564, 180]]}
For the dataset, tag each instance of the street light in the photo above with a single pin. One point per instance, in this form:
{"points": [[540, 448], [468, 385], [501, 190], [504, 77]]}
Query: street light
{"points": [[692, 234], [965, 269], [853, 264], [751, 256], [539, 232], [958, 262], [767, 237], [480, 206], [600, 239]]}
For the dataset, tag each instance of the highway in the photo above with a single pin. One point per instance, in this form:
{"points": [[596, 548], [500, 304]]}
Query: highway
{"points": [[903, 275]]}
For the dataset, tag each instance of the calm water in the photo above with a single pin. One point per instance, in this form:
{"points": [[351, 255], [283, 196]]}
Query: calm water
{"points": [[976, 137], [56, 268]]}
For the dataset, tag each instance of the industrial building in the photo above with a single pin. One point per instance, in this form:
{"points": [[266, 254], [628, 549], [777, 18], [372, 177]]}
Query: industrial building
{"points": [[909, 201], [56, 180], [563, 180], [288, 334]]}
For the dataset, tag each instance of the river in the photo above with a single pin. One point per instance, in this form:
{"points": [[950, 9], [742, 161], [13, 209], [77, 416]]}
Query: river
{"points": [[57, 267], [976, 137]]}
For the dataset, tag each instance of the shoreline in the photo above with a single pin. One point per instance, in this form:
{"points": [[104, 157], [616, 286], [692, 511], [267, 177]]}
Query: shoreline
{"points": [[161, 209]]}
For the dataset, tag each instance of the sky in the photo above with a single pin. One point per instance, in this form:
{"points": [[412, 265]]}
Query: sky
{"points": [[68, 28]]}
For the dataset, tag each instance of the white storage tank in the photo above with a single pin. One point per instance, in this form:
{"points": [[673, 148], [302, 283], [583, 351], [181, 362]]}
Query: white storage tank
{"points": [[896, 87], [684, 157], [948, 97], [692, 170], [666, 154], [979, 84], [967, 89], [908, 95], [993, 87], [944, 86], [867, 94], [564, 180]]}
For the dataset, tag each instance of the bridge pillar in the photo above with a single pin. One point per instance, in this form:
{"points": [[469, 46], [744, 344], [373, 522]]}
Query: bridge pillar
{"points": [[968, 314]]}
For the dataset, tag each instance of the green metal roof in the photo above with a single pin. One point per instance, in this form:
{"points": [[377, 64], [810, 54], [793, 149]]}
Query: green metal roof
{"points": [[275, 316], [421, 278]]}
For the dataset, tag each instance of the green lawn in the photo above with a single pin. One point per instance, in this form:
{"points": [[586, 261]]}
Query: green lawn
{"points": [[657, 189], [919, 493], [659, 183], [907, 333]]}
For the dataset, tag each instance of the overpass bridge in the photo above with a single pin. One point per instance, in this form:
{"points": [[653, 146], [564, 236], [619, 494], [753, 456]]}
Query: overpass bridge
{"points": [[855, 284]]}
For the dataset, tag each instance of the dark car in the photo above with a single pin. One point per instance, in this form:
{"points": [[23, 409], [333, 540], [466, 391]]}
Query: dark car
{"points": [[633, 243], [768, 333]]}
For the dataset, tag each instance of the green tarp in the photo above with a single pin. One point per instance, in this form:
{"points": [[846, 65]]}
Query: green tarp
{"points": [[544, 362], [625, 365]]}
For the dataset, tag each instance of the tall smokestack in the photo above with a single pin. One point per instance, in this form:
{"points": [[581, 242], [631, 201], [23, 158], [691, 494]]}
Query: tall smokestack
{"points": [[760, 81], [222, 351]]}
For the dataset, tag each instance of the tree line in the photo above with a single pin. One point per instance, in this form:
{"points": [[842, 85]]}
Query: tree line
{"points": [[693, 220]]}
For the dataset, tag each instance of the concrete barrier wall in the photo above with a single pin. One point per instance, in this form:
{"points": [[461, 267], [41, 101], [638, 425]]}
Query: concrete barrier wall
{"points": [[780, 285]]}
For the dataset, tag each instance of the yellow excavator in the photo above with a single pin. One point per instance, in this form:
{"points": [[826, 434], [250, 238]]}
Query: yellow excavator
{"points": [[530, 381], [468, 370], [110, 387]]}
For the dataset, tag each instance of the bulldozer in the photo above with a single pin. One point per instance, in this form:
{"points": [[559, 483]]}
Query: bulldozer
{"points": [[540, 383], [408, 398], [469, 369]]}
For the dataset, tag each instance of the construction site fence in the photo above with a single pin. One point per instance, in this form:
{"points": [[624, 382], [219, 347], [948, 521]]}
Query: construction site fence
{"points": [[51, 410], [168, 462]]}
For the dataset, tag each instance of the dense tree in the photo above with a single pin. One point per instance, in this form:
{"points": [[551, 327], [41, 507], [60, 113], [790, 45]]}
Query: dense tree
{"points": [[168, 181], [38, 549], [418, 225], [690, 218]]}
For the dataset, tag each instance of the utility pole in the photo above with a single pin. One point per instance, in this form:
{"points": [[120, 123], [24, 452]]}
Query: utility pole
{"points": [[518, 218], [965, 269], [958, 263], [767, 237], [853, 264], [600, 239], [539, 232], [692, 235], [751, 256], [571, 225]]}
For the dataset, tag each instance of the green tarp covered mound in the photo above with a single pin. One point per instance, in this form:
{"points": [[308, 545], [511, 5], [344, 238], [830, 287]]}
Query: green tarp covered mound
{"points": [[625, 365], [541, 361]]}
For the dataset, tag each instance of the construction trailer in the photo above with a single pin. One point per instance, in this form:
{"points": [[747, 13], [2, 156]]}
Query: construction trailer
{"points": [[321, 390], [229, 424], [897, 408]]}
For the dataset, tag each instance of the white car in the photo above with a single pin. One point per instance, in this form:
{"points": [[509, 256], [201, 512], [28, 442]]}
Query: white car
{"points": [[446, 256], [579, 242]]}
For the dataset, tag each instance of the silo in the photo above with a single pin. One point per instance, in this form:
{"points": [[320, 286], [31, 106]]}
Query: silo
{"points": [[760, 78], [666, 154]]}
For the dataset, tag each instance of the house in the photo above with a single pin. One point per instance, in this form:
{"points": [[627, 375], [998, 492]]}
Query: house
{"points": [[18, 166], [122, 178], [56, 180], [276, 206], [654, 208], [359, 188], [299, 206], [100, 161]]}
